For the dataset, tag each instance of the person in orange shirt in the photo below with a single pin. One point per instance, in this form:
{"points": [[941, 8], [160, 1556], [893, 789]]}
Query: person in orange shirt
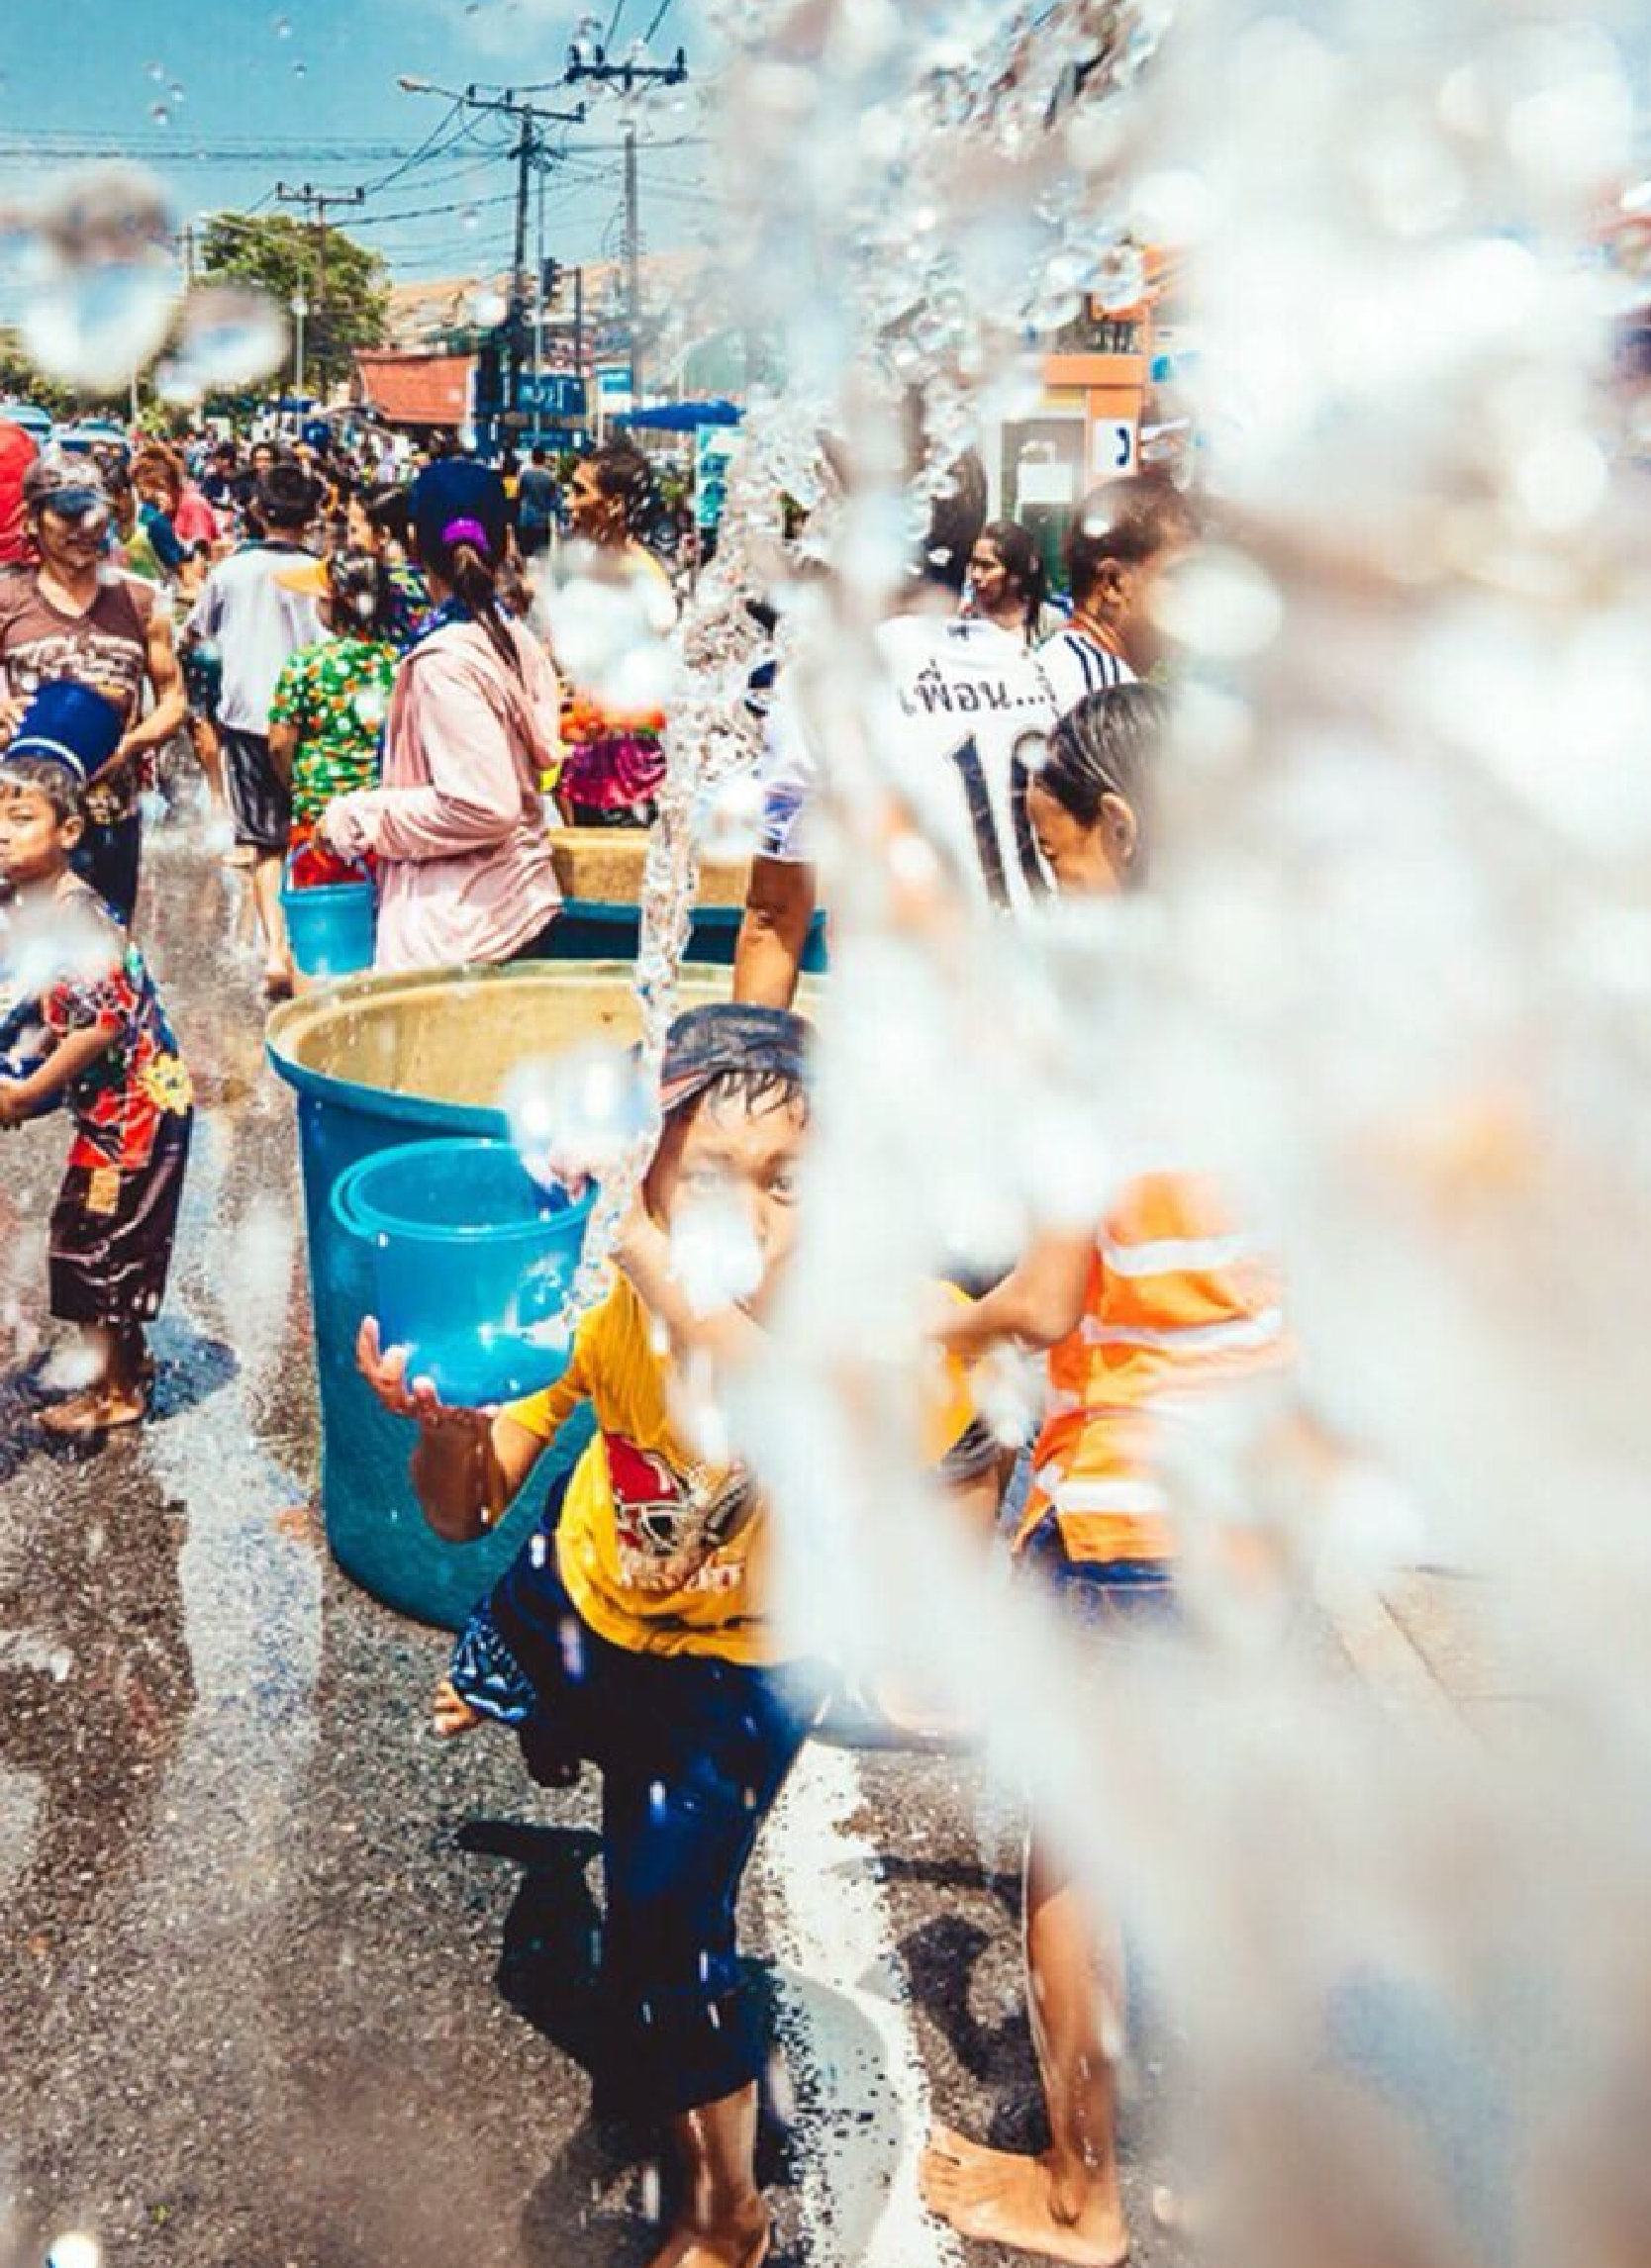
{"points": [[635, 1629], [1169, 1296]]}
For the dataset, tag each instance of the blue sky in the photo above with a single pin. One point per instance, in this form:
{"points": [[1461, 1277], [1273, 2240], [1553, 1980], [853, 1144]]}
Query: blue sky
{"points": [[304, 90]]}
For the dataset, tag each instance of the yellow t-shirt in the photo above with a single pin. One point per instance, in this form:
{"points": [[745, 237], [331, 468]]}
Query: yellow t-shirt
{"points": [[659, 1552]]}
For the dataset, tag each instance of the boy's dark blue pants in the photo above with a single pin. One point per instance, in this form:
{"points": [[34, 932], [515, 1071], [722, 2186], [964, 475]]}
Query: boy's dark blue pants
{"points": [[693, 1752]]}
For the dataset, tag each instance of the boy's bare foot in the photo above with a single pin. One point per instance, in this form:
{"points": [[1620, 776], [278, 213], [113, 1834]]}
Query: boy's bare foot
{"points": [[450, 1713], [744, 2245], [1012, 2201]]}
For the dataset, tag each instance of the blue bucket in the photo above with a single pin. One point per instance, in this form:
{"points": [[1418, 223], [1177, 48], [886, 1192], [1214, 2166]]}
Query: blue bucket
{"points": [[472, 1262], [330, 926]]}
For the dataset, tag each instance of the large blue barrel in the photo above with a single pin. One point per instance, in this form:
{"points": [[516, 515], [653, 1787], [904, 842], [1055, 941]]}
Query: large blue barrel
{"points": [[595, 929], [381, 1061]]}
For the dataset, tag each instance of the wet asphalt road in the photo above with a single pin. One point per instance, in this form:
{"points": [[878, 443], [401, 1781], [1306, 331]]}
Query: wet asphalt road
{"points": [[265, 1947]]}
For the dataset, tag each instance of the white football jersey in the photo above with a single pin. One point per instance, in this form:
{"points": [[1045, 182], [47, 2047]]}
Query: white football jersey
{"points": [[1075, 666], [970, 718]]}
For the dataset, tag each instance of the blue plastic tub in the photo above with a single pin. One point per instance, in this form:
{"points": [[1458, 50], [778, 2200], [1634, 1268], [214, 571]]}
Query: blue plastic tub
{"points": [[330, 926], [472, 1259], [377, 1062]]}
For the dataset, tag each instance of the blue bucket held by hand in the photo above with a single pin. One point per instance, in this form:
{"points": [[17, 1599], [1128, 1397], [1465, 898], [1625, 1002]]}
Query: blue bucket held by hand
{"points": [[473, 1260], [330, 924]]}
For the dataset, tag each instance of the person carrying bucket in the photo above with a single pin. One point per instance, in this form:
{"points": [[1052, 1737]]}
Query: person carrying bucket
{"points": [[635, 1630], [330, 704], [457, 826]]}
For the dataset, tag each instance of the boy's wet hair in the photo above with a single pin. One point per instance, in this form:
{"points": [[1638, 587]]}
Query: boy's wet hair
{"points": [[1106, 745], [728, 1053], [40, 776], [752, 1093]]}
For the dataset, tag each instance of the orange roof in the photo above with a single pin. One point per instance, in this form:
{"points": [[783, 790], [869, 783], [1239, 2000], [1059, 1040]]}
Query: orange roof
{"points": [[418, 389]]}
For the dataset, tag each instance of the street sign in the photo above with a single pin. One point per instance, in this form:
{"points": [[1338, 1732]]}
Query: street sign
{"points": [[554, 396], [712, 447]]}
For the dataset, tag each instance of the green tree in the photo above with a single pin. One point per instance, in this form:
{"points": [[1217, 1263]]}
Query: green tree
{"points": [[284, 255]]}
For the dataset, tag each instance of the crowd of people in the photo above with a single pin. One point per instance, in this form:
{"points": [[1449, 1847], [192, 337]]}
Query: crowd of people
{"points": [[369, 691]]}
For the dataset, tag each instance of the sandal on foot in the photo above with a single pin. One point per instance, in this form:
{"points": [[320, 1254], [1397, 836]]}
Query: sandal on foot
{"points": [[92, 1412]]}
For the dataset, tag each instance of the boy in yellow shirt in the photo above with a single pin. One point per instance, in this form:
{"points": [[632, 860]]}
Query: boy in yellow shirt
{"points": [[633, 1631]]}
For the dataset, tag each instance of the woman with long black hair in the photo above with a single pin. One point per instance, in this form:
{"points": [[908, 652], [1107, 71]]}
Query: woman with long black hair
{"points": [[464, 865], [1008, 583]]}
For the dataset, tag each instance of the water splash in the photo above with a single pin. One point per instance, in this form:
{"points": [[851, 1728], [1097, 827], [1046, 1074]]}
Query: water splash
{"points": [[102, 280]]}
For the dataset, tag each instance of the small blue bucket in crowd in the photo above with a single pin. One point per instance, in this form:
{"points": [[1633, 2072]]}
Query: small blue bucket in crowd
{"points": [[330, 925], [473, 1260]]}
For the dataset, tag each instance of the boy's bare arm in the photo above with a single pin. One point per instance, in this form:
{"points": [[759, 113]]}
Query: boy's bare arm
{"points": [[469, 1464], [172, 704], [1036, 1305], [774, 933], [69, 1061]]}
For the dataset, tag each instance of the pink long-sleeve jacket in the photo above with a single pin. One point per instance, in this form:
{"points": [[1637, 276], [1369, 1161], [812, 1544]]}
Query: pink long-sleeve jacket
{"points": [[466, 873]]}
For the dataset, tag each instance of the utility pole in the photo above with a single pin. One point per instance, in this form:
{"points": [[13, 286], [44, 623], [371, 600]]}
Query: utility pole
{"points": [[538, 297], [592, 65], [634, 262], [320, 202], [529, 150]]}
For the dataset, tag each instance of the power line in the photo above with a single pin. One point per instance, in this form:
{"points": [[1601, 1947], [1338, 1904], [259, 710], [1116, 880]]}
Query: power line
{"points": [[662, 11], [426, 147]]}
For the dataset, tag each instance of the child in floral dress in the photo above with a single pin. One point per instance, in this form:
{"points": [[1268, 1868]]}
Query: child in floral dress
{"points": [[101, 1045]]}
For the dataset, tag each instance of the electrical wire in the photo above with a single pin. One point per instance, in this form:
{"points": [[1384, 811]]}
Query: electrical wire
{"points": [[659, 15], [426, 147]]}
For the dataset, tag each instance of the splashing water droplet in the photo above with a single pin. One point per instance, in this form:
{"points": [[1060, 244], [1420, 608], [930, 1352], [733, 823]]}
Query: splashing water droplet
{"points": [[300, 70], [469, 218], [158, 72], [715, 1254], [231, 335], [1119, 278], [75, 2249], [1220, 604], [727, 821], [281, 25], [578, 1114], [609, 629], [161, 113], [98, 260], [488, 307]]}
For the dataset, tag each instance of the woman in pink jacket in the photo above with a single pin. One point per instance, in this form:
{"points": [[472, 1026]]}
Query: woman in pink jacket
{"points": [[457, 828]]}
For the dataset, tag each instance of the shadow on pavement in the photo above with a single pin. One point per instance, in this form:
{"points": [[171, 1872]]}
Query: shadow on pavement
{"points": [[592, 2202], [189, 1370]]}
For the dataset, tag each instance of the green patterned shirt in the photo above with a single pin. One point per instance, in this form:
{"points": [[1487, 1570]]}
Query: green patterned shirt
{"points": [[336, 696]]}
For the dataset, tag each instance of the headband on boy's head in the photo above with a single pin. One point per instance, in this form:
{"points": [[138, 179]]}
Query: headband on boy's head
{"points": [[67, 724], [727, 1040]]}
